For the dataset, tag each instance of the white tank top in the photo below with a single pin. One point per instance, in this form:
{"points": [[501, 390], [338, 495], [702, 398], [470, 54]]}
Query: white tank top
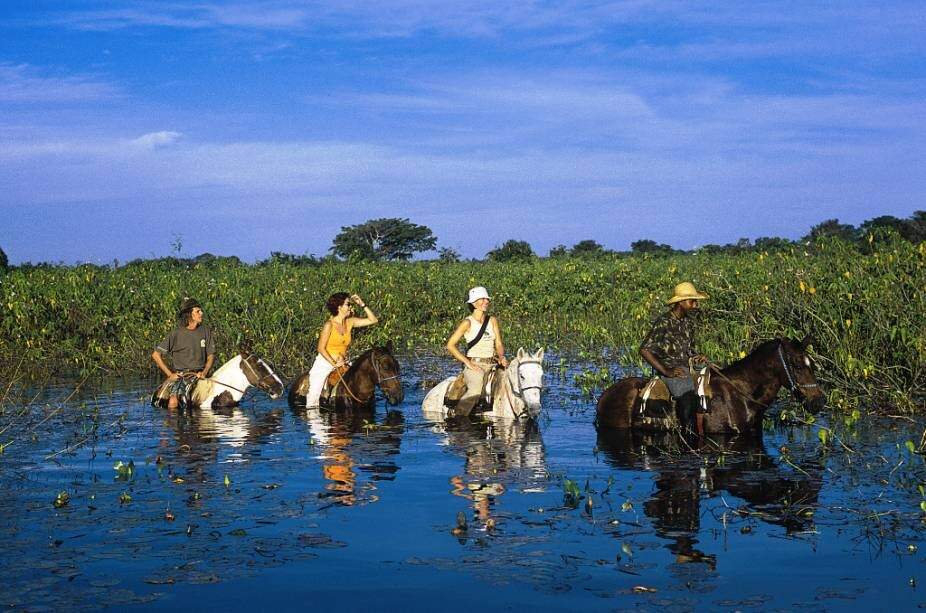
{"points": [[485, 348]]}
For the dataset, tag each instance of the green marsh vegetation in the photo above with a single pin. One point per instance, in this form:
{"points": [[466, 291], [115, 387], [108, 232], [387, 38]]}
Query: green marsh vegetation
{"points": [[863, 302]]}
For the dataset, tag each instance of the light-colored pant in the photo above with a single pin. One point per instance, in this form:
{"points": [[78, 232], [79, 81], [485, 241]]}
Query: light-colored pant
{"points": [[475, 384], [321, 368]]}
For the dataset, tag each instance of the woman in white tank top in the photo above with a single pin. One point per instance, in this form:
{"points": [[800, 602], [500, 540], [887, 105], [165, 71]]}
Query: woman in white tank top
{"points": [[479, 358]]}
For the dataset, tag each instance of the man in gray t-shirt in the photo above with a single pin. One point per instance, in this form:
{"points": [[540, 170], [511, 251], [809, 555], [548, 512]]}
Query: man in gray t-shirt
{"points": [[191, 350]]}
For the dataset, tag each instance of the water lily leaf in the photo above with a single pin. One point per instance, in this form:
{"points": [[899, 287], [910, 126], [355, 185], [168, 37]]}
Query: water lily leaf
{"points": [[125, 498], [62, 500], [625, 547], [911, 446], [627, 506], [227, 481]]}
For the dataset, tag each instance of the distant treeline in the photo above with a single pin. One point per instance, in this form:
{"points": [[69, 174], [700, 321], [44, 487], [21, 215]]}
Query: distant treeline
{"points": [[393, 239]]}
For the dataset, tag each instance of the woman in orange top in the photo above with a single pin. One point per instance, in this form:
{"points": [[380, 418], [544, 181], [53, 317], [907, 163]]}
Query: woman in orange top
{"points": [[334, 340]]}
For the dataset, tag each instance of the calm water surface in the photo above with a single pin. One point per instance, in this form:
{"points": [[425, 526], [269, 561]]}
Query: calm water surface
{"points": [[269, 507]]}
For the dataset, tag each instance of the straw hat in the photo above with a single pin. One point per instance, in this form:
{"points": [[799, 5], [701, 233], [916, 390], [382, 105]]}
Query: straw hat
{"points": [[476, 293], [686, 291]]}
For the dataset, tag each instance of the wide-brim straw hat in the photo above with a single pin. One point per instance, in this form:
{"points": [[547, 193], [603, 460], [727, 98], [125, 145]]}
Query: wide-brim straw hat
{"points": [[686, 291], [477, 293]]}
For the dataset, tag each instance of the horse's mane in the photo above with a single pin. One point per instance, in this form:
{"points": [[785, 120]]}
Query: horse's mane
{"points": [[355, 366], [758, 350]]}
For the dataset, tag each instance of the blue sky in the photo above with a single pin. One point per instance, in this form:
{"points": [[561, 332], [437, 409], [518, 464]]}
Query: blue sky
{"points": [[251, 126]]}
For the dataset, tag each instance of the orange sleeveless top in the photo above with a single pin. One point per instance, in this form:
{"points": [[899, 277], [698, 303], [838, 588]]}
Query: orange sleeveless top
{"points": [[337, 342]]}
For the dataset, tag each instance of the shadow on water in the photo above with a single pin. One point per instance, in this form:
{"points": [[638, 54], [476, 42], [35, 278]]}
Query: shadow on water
{"points": [[739, 467]]}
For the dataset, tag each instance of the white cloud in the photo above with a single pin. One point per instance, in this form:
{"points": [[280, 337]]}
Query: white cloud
{"points": [[155, 140]]}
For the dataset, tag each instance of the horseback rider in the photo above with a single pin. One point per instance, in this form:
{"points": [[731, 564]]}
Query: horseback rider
{"points": [[334, 340], [191, 350], [670, 348], [484, 348]]}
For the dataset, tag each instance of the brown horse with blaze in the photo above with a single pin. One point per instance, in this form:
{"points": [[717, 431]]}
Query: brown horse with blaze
{"points": [[741, 392]]}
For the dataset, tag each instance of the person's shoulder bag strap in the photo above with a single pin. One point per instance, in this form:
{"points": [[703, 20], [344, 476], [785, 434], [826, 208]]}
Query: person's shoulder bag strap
{"points": [[478, 337]]}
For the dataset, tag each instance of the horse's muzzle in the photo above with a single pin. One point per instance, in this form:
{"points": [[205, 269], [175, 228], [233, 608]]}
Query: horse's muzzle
{"points": [[394, 399]]}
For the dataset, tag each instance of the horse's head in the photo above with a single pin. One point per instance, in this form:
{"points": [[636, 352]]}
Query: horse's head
{"points": [[797, 373], [526, 378], [259, 373], [386, 368]]}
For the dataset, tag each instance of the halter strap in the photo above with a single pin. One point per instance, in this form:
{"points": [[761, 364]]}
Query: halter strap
{"points": [[794, 385]]}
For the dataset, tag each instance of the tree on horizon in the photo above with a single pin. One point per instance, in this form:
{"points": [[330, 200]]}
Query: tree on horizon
{"points": [[387, 238]]}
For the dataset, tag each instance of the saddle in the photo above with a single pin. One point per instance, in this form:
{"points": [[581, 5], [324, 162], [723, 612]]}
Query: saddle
{"points": [[458, 387], [163, 392], [656, 390], [333, 387]]}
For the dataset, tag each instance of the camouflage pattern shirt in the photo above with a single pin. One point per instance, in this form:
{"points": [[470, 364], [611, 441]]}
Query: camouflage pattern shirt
{"points": [[671, 340]]}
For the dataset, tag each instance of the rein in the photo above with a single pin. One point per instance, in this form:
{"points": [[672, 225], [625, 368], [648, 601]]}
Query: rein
{"points": [[784, 363], [379, 380]]}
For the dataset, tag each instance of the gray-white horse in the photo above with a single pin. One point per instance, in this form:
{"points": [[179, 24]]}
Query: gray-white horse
{"points": [[518, 397]]}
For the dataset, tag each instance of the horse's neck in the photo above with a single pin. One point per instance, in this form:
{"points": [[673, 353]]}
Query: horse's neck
{"points": [[506, 393], [234, 380], [361, 387], [755, 376]]}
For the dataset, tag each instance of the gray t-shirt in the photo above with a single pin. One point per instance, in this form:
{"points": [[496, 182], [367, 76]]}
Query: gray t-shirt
{"points": [[187, 348]]}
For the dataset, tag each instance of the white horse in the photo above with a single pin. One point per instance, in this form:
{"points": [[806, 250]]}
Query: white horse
{"points": [[519, 396], [227, 385]]}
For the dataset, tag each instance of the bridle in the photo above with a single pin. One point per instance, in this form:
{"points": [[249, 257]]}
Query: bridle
{"points": [[792, 383], [260, 380], [519, 391], [380, 378]]}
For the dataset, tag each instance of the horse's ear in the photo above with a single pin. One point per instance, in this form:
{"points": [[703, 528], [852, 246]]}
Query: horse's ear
{"points": [[807, 342], [520, 353], [539, 355], [390, 348]]}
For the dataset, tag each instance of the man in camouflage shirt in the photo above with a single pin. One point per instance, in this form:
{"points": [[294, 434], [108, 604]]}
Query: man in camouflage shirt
{"points": [[668, 348]]}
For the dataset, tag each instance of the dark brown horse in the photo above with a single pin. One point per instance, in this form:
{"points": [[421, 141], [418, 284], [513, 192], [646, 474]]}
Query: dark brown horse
{"points": [[375, 367], [741, 392]]}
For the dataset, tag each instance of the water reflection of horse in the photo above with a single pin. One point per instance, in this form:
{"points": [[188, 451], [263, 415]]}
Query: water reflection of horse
{"points": [[741, 392], [495, 452], [739, 466], [517, 394], [350, 441], [228, 384], [357, 388]]}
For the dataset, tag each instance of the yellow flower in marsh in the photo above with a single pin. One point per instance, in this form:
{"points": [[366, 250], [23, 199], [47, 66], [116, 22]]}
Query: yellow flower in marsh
{"points": [[742, 354], [848, 323], [812, 289], [802, 286]]}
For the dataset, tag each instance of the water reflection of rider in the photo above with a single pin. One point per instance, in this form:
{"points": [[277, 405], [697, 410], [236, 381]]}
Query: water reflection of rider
{"points": [[334, 432], [494, 452], [747, 472]]}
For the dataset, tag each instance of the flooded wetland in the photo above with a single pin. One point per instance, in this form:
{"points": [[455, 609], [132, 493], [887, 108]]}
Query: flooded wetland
{"points": [[109, 502]]}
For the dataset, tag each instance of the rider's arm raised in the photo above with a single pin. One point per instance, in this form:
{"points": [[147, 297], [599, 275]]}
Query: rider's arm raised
{"points": [[455, 340], [369, 317]]}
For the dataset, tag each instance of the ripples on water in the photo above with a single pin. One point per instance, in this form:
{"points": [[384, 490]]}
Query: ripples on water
{"points": [[360, 510]]}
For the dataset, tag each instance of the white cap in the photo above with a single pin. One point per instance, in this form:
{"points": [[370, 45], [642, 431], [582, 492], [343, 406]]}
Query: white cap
{"points": [[476, 293]]}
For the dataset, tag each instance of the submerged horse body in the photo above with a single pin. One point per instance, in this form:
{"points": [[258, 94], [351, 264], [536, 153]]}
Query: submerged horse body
{"points": [[741, 392], [357, 387], [517, 394], [227, 385]]}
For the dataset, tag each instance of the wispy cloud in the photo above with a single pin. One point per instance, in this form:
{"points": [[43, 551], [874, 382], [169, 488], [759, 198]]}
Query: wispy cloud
{"points": [[23, 83]]}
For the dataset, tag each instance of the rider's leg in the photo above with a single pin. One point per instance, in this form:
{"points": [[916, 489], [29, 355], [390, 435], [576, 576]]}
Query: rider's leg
{"points": [[321, 368], [475, 379]]}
